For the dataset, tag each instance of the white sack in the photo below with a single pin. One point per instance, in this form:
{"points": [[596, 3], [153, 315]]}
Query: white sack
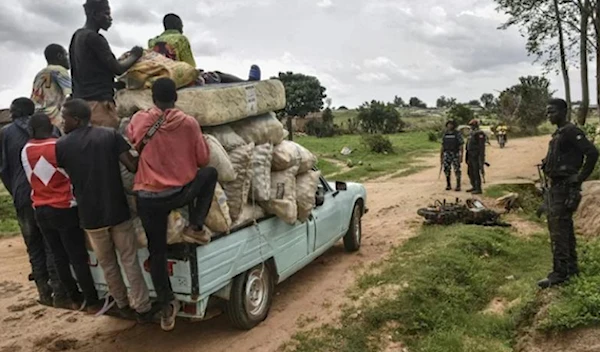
{"points": [[306, 190], [288, 153], [219, 159], [226, 136], [260, 129], [237, 190], [249, 214], [261, 173], [218, 219], [283, 195]]}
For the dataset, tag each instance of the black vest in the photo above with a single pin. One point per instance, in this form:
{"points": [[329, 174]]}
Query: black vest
{"points": [[450, 142]]}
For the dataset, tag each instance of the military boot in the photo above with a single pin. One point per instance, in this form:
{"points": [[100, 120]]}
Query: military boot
{"points": [[448, 184], [553, 279]]}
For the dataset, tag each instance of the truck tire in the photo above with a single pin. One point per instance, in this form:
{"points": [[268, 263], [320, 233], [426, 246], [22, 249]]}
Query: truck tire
{"points": [[251, 297], [353, 237]]}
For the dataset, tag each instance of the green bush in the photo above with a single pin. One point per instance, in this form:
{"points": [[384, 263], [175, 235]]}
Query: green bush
{"points": [[433, 136], [378, 143], [461, 113], [376, 117], [323, 127]]}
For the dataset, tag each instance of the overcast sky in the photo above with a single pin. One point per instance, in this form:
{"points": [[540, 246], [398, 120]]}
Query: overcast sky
{"points": [[359, 49]]}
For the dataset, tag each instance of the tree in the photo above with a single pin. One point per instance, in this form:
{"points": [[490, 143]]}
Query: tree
{"points": [[461, 113], [443, 102], [547, 25], [585, 85], [524, 104], [321, 127], [304, 94], [475, 103], [399, 102], [416, 103], [487, 100], [376, 117]]}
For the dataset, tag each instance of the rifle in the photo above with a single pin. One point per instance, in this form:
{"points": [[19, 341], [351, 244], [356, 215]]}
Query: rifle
{"points": [[544, 207], [483, 170]]}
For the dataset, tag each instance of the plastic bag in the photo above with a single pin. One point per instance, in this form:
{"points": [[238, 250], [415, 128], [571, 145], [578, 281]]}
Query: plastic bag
{"points": [[283, 195], [218, 219], [220, 160], [260, 129], [306, 189], [261, 173], [237, 190]]}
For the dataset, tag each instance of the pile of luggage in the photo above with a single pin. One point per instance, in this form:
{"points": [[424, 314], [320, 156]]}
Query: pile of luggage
{"points": [[260, 172]]}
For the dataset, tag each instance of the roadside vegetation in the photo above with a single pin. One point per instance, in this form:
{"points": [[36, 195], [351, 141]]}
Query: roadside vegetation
{"points": [[465, 289], [8, 218]]}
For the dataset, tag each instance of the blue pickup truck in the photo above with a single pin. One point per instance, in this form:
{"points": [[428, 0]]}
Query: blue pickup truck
{"points": [[237, 273]]}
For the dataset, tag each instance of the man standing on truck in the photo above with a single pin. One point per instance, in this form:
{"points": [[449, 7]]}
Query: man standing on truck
{"points": [[56, 213], [172, 43], [94, 66], [90, 156], [452, 154], [52, 85], [475, 156], [172, 149], [570, 161], [13, 138]]}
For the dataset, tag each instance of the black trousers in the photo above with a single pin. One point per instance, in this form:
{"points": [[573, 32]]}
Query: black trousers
{"points": [[562, 232], [40, 255], [474, 170], [154, 213], [66, 240]]}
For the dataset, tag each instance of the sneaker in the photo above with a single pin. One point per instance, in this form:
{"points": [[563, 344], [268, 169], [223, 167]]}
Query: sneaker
{"points": [[167, 320], [200, 237]]}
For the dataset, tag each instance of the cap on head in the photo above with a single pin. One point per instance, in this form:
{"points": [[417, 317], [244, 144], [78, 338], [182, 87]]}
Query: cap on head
{"points": [[164, 91], [172, 21]]}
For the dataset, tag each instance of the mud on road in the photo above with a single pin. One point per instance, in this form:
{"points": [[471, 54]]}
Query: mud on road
{"points": [[312, 296]]}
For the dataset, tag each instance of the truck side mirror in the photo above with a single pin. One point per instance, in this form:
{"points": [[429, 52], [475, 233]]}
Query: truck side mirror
{"points": [[340, 186]]}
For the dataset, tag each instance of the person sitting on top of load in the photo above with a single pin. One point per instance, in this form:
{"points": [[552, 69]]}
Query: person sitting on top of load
{"points": [[173, 44]]}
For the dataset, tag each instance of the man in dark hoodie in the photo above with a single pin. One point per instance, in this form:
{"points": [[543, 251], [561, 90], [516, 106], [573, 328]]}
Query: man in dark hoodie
{"points": [[13, 138]]}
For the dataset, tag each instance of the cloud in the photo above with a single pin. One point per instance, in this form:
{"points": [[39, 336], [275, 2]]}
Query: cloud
{"points": [[359, 49]]}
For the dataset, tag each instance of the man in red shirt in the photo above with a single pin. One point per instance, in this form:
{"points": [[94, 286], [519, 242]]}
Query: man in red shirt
{"points": [[56, 212], [167, 180]]}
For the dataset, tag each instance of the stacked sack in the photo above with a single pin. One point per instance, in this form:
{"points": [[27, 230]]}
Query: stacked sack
{"points": [[261, 173]]}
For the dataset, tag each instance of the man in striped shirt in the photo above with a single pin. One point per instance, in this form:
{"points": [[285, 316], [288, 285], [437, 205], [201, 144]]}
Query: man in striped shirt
{"points": [[52, 85], [56, 213]]}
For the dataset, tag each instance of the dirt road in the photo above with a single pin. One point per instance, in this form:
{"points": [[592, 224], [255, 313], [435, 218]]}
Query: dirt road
{"points": [[312, 296]]}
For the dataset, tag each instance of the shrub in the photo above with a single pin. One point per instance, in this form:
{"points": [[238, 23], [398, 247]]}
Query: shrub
{"points": [[378, 143], [376, 118], [461, 113], [323, 127], [432, 136]]}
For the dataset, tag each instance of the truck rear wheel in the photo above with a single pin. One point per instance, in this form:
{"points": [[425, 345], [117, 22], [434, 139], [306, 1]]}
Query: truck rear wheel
{"points": [[251, 297], [353, 237]]}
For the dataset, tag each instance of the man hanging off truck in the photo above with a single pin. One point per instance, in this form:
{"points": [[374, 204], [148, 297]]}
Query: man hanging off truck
{"points": [[451, 154]]}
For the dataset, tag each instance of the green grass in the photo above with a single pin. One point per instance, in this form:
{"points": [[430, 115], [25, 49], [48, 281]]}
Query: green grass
{"points": [[447, 276], [407, 146], [8, 218], [577, 304]]}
